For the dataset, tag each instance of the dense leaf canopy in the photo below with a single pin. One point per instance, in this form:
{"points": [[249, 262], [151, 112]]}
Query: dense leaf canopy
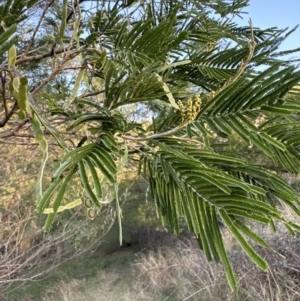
{"points": [[191, 78]]}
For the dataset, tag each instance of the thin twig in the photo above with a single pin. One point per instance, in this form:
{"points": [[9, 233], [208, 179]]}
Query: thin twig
{"points": [[243, 66], [154, 136], [37, 57], [8, 115], [83, 95], [9, 133], [26, 143], [3, 92], [37, 28], [47, 80]]}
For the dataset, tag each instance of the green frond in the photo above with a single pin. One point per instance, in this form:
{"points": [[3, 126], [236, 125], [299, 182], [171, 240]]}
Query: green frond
{"points": [[191, 182], [254, 256], [58, 198], [95, 162]]}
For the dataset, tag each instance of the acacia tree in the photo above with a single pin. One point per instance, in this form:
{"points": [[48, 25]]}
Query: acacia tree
{"points": [[192, 73]]}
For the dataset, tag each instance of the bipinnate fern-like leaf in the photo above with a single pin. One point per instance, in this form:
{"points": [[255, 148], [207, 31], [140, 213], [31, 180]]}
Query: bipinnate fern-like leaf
{"points": [[158, 55], [201, 185], [95, 164]]}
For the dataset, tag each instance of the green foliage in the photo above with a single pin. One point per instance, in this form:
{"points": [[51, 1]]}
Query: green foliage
{"points": [[14, 11], [161, 56], [8, 39]]}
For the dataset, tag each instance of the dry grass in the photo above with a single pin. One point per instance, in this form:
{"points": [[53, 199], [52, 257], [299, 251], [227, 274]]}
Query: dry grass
{"points": [[28, 254], [174, 269], [282, 281], [107, 285], [179, 272]]}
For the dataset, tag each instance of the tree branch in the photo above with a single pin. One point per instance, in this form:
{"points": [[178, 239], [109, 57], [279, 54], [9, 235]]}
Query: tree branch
{"points": [[8, 115], [10, 133], [50, 53]]}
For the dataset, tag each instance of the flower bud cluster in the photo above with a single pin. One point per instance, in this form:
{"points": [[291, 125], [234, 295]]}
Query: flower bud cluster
{"points": [[190, 110]]}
